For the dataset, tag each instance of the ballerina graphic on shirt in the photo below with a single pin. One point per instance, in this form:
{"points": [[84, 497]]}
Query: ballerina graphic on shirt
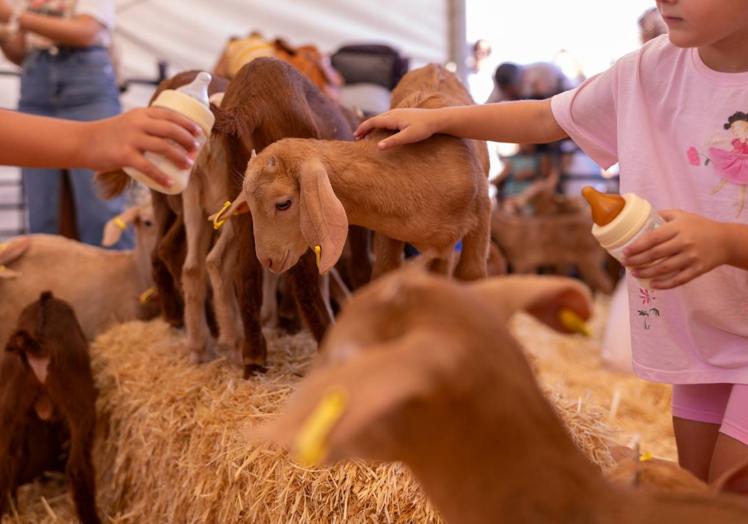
{"points": [[728, 155]]}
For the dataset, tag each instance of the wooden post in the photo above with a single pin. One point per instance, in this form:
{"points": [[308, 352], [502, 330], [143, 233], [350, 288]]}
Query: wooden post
{"points": [[458, 48]]}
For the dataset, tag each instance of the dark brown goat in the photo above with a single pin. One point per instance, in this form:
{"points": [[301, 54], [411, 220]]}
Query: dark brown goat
{"points": [[266, 101], [170, 251], [47, 397]]}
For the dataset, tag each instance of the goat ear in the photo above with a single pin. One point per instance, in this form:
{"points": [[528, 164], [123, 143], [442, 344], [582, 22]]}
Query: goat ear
{"points": [[238, 207], [323, 219], [18, 342], [225, 122], [9, 252], [111, 184], [24, 345], [216, 99], [354, 408], [542, 297], [114, 228]]}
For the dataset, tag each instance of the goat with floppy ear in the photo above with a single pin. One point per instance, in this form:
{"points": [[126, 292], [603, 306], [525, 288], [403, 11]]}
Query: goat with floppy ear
{"points": [[103, 286], [267, 101], [47, 400], [423, 370], [303, 194]]}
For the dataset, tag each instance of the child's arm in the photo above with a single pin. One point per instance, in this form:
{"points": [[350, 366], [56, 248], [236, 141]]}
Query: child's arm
{"points": [[688, 246], [526, 121], [101, 145], [78, 31], [14, 47]]}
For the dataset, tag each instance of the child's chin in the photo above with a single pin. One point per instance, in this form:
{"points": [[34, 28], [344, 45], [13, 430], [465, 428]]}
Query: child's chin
{"points": [[679, 39]]}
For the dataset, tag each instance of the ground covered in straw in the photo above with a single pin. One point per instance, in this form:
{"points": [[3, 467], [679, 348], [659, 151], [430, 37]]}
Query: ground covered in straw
{"points": [[171, 443]]}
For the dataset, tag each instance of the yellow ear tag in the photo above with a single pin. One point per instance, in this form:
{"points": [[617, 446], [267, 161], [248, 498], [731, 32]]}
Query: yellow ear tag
{"points": [[318, 252], [119, 223], [217, 222], [573, 322], [310, 444], [646, 457], [146, 295]]}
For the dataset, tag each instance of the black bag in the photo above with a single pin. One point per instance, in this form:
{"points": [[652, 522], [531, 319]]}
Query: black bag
{"points": [[370, 64]]}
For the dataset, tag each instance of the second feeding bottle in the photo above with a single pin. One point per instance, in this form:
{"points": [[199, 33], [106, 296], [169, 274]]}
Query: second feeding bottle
{"points": [[619, 221]]}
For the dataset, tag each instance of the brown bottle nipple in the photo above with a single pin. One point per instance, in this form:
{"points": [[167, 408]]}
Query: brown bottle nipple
{"points": [[604, 207]]}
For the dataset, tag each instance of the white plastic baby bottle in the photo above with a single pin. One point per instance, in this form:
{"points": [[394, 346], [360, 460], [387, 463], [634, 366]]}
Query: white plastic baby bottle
{"points": [[620, 220], [190, 100]]}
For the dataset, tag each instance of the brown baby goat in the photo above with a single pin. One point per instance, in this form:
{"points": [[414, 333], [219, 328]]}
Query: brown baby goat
{"points": [[304, 193], [47, 398], [425, 371]]}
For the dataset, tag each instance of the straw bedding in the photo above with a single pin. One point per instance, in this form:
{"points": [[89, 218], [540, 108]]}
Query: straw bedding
{"points": [[171, 442]]}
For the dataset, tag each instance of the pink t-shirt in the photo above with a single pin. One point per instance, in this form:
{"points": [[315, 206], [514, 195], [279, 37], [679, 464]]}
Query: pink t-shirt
{"points": [[679, 131]]}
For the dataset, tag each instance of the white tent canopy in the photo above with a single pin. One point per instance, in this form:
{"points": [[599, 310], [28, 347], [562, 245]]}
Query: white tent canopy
{"points": [[189, 34]]}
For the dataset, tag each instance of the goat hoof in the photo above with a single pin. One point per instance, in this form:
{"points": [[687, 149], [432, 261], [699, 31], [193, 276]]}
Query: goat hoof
{"points": [[201, 357], [231, 351], [252, 370]]}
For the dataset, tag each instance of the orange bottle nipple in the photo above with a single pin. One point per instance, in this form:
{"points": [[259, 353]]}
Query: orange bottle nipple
{"points": [[604, 207]]}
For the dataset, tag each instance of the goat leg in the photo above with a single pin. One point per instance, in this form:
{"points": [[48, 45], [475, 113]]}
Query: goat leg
{"points": [[269, 311], [474, 256], [170, 230], [10, 465], [194, 278], [388, 255], [221, 264], [249, 286], [80, 471], [359, 268], [304, 278]]}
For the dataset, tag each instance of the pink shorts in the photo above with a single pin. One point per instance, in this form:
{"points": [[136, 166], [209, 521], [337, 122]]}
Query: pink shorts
{"points": [[723, 404]]}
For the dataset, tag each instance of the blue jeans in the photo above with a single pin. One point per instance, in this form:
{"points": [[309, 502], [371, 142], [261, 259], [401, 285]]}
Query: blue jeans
{"points": [[77, 84]]}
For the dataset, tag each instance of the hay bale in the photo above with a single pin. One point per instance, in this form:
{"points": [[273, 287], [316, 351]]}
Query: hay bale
{"points": [[171, 445], [639, 410]]}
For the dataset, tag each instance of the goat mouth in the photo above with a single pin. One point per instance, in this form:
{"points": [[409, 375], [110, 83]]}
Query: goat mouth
{"points": [[282, 266]]}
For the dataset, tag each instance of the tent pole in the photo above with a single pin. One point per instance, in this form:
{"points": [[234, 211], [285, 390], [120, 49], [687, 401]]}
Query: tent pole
{"points": [[457, 27]]}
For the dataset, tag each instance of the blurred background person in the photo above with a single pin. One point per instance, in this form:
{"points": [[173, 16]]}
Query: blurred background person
{"points": [[651, 25], [480, 78], [62, 47]]}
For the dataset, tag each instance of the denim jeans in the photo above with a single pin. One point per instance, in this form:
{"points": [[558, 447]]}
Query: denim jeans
{"points": [[76, 84]]}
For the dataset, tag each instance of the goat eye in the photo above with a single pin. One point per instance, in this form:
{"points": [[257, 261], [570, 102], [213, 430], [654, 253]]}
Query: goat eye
{"points": [[147, 223], [282, 206]]}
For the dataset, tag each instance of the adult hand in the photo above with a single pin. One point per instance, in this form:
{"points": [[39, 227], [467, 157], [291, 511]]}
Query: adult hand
{"points": [[685, 247], [413, 125], [123, 140]]}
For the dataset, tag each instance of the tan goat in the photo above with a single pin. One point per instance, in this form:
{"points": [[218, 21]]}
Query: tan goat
{"points": [[102, 286], [304, 193], [561, 240], [424, 371], [266, 101]]}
